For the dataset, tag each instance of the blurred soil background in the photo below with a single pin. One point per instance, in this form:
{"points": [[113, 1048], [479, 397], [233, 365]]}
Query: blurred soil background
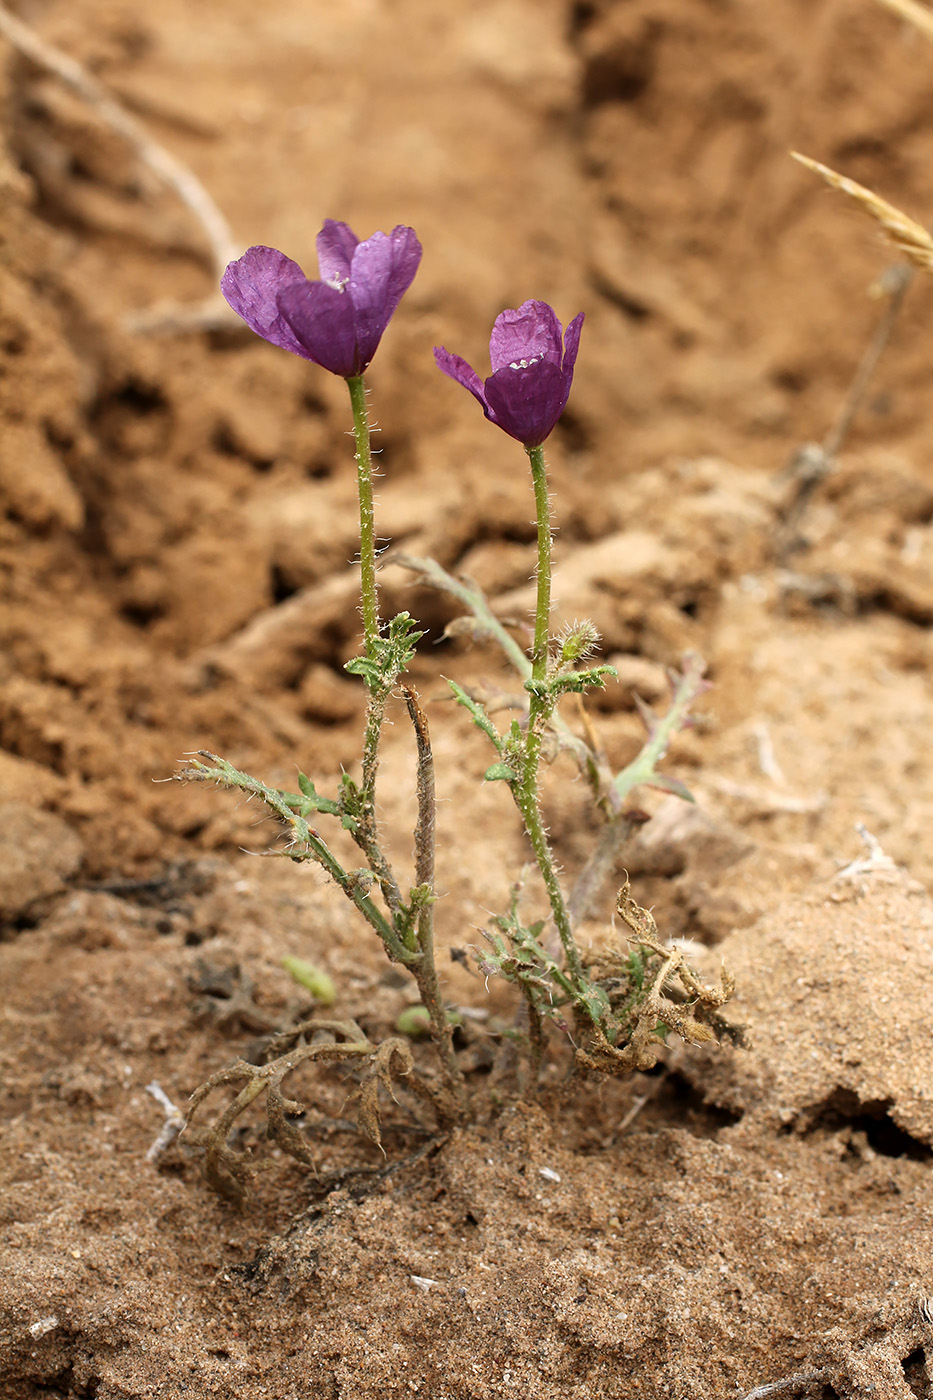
{"points": [[176, 539]]}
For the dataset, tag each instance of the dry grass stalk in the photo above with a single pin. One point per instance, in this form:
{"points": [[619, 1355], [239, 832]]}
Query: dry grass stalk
{"points": [[914, 12], [167, 168], [909, 237]]}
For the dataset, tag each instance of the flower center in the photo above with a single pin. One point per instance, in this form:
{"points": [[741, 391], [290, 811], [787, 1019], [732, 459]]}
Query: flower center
{"points": [[338, 283], [524, 364]]}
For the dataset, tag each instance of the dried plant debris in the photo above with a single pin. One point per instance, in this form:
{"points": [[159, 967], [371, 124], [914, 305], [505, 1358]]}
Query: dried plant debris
{"points": [[620, 1009], [229, 1171], [227, 998], [904, 233], [913, 12], [652, 992]]}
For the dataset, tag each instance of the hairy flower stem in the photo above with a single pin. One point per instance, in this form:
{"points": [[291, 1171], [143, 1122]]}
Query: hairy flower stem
{"points": [[364, 475], [526, 789], [418, 938], [543, 603], [369, 602]]}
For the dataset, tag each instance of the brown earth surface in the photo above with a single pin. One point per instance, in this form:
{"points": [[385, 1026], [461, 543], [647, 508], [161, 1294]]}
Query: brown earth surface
{"points": [[176, 540]]}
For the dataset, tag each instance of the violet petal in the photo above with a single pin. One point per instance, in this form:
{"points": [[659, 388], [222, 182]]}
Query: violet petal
{"points": [[572, 344], [533, 332], [323, 322], [251, 286], [456, 368], [336, 244], [383, 269], [527, 402]]}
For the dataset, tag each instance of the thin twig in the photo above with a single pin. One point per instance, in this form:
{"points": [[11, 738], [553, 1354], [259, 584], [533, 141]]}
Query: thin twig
{"points": [[815, 461], [425, 970], [170, 171], [799, 1378], [427, 806], [910, 10], [832, 443], [174, 1122], [601, 862]]}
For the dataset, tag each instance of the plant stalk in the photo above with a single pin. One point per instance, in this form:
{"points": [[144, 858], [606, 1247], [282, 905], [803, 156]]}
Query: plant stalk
{"points": [[526, 789], [539, 654], [369, 593], [425, 970]]}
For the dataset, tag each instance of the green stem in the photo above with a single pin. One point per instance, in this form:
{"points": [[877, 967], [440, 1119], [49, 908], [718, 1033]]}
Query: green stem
{"points": [[375, 714], [369, 606], [539, 654], [530, 808], [364, 472], [526, 790]]}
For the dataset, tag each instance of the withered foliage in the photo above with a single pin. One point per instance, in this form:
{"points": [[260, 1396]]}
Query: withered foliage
{"points": [[323, 1042]]}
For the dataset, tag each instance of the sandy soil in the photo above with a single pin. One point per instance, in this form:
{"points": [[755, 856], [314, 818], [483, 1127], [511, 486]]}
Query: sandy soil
{"points": [[175, 541]]}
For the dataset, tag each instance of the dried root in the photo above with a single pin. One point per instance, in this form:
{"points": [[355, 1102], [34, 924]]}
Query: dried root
{"points": [[228, 1171]]}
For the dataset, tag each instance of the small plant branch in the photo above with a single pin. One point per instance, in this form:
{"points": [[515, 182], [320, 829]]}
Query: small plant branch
{"points": [[472, 597], [528, 801], [601, 863], [760, 1392], [814, 462], [425, 830], [643, 769], [173, 1125], [375, 718], [526, 787], [367, 839], [896, 281], [425, 970], [229, 1172], [610, 790], [309, 844]]}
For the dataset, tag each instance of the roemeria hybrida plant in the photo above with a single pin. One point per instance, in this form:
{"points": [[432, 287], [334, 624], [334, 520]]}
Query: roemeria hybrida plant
{"points": [[613, 1013]]}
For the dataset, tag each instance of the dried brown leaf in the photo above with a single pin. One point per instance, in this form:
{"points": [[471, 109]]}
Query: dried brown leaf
{"points": [[393, 1058]]}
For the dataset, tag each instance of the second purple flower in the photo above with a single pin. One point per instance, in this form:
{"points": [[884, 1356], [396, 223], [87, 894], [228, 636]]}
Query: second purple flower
{"points": [[532, 371]]}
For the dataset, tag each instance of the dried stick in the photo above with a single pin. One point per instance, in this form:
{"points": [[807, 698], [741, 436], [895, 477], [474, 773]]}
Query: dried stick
{"points": [[425, 971], [916, 14], [814, 462], [799, 1378], [170, 171]]}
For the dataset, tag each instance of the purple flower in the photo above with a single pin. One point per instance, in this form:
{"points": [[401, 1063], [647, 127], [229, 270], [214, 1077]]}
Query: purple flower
{"points": [[339, 321], [532, 371]]}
